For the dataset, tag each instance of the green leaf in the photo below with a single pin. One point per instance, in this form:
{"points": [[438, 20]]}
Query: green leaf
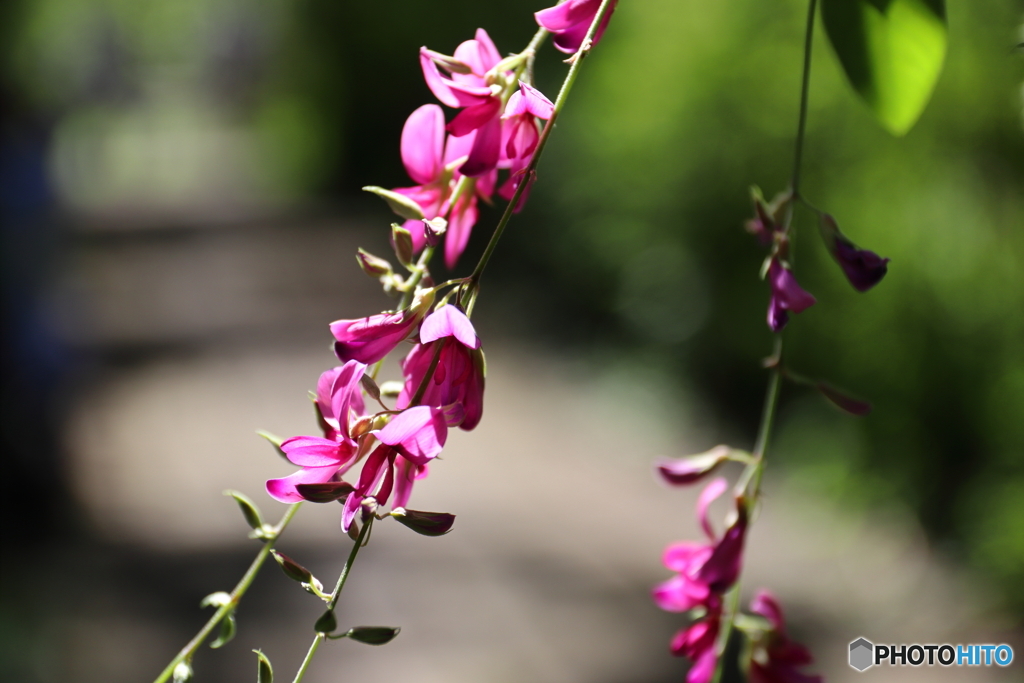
{"points": [[228, 627], [275, 440], [892, 52], [266, 672], [373, 635]]}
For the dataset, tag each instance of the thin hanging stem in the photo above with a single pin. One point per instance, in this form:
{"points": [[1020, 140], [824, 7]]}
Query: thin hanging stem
{"points": [[750, 482], [236, 595]]}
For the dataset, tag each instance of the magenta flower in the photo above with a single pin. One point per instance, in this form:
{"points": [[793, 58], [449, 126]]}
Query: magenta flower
{"points": [[570, 21], [321, 460], [692, 468], [787, 295], [458, 379], [340, 402], [697, 643], [777, 659], [369, 339], [520, 138], [480, 103], [703, 569], [409, 441], [418, 433]]}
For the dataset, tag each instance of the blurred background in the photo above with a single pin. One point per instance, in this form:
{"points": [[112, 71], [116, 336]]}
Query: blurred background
{"points": [[179, 198]]}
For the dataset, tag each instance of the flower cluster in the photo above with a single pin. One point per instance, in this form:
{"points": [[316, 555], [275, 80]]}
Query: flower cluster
{"points": [[456, 164], [705, 571]]}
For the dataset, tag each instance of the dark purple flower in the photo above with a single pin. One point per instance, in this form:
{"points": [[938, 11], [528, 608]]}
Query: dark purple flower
{"points": [[863, 268], [777, 658]]}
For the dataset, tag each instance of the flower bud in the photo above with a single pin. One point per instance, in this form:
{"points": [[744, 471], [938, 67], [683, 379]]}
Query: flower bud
{"points": [[399, 203], [293, 569], [863, 268], [434, 228], [425, 523], [842, 401], [361, 426], [401, 240], [373, 635], [692, 468], [370, 387], [326, 623], [218, 599], [249, 509], [374, 266], [265, 672]]}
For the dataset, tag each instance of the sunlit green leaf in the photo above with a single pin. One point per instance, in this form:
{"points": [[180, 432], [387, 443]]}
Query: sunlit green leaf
{"points": [[892, 52]]}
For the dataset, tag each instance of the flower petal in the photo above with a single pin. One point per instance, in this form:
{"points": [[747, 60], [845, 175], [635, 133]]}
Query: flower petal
{"points": [[284, 490], [714, 489], [313, 451], [423, 143], [449, 321], [418, 433]]}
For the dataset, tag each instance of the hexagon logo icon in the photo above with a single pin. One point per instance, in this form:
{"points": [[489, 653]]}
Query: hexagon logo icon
{"points": [[862, 654]]}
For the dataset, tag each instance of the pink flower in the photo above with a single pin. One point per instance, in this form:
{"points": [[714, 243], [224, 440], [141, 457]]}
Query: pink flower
{"points": [[369, 339], [459, 376], [409, 441], [570, 21], [340, 402], [777, 659], [703, 569], [520, 138], [480, 103], [787, 295], [697, 643]]}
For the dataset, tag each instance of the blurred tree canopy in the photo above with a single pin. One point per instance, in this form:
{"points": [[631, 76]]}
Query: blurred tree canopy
{"points": [[633, 238]]}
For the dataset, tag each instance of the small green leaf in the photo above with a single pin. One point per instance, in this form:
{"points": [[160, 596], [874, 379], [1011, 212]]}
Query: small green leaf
{"points": [[891, 51], [373, 635], [326, 623], [399, 203], [249, 509], [265, 673], [228, 627]]}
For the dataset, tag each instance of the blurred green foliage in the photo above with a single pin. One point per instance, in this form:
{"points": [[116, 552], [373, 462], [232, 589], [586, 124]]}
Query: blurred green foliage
{"points": [[633, 237]]}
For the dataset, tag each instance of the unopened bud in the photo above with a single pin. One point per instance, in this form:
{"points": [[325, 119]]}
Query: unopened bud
{"points": [[842, 401], [399, 203], [326, 623], [373, 635], [433, 229], [249, 509], [265, 673], [361, 426], [692, 468], [401, 241], [370, 387], [426, 523], [374, 266], [293, 569]]}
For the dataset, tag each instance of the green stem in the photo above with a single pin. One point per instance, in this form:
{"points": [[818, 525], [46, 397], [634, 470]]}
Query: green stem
{"points": [[319, 637], [752, 475], [309, 657], [236, 595], [804, 92], [531, 168]]}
